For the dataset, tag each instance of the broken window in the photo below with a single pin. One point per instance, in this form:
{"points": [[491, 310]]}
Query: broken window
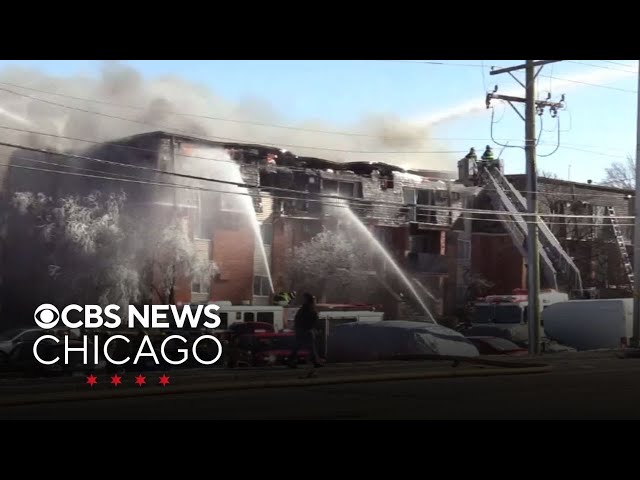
{"points": [[386, 182], [426, 197], [409, 197], [342, 189]]}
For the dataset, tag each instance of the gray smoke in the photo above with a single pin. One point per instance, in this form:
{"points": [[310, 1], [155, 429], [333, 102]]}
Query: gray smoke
{"points": [[160, 99]]}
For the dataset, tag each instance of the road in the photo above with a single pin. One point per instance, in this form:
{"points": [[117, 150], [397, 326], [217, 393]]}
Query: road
{"points": [[586, 389]]}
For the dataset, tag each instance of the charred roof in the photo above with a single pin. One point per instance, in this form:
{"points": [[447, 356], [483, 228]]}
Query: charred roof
{"points": [[287, 158]]}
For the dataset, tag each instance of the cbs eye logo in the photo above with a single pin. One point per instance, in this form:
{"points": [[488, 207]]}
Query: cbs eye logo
{"points": [[46, 316]]}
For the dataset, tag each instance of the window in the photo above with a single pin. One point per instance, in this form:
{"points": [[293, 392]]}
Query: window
{"points": [[261, 286], [386, 182], [409, 195], [249, 317], [267, 233], [342, 189], [266, 317], [199, 287], [426, 197], [230, 202], [346, 189]]}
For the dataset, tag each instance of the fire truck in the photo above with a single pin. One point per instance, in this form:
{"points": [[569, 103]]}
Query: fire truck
{"points": [[507, 315], [282, 317]]}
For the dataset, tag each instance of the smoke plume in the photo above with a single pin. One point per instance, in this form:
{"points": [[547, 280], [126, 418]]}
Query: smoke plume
{"points": [[174, 104]]}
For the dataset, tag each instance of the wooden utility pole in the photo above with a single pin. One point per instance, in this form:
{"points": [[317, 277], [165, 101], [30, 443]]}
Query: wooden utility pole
{"points": [[635, 341], [533, 261], [532, 107]]}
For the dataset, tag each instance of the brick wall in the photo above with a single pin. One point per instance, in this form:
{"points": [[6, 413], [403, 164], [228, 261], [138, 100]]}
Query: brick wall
{"points": [[497, 260], [600, 264], [553, 190], [233, 251]]}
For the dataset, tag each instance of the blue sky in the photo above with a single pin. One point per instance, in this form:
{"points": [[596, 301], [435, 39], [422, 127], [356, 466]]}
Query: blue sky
{"points": [[599, 126]]}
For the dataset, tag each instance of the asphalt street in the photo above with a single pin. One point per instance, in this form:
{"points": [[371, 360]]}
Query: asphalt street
{"points": [[583, 388]]}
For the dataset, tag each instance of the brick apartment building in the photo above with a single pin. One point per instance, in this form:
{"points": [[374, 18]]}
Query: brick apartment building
{"points": [[289, 209], [441, 250], [589, 241]]}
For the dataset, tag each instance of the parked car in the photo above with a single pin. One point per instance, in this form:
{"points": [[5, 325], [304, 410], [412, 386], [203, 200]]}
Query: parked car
{"points": [[497, 346], [10, 338], [262, 349], [356, 342]]}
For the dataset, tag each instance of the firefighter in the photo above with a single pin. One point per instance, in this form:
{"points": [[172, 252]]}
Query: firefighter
{"points": [[472, 159], [284, 298], [487, 157]]}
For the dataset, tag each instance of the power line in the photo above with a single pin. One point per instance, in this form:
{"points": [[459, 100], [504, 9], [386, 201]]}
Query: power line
{"points": [[616, 63], [200, 178], [334, 198], [193, 115], [335, 132], [600, 66], [545, 76], [434, 62], [337, 200], [590, 84], [109, 143], [217, 138], [141, 149]]}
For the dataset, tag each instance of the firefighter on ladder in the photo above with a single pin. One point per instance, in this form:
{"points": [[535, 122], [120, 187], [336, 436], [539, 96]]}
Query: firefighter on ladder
{"points": [[472, 162], [487, 157]]}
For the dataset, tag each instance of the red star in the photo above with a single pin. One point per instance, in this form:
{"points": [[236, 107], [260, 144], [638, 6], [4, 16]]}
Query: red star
{"points": [[115, 380], [92, 380], [140, 380], [164, 380]]}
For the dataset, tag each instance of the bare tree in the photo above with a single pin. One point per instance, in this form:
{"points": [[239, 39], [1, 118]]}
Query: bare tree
{"points": [[477, 285], [621, 174], [89, 251], [330, 263], [82, 243], [169, 256]]}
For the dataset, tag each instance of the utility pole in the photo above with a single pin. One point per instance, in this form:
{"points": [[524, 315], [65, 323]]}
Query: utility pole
{"points": [[532, 107], [635, 341], [533, 261]]}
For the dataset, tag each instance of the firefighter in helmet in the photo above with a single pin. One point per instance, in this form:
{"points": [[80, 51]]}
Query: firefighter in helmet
{"points": [[284, 298], [487, 157]]}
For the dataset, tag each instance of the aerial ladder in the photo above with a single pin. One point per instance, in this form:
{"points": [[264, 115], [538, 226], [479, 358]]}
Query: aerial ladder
{"points": [[622, 246], [554, 260]]}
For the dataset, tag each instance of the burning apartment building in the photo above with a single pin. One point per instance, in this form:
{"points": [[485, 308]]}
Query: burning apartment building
{"points": [[247, 208]]}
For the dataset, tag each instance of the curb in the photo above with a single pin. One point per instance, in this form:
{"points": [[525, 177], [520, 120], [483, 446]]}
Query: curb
{"points": [[34, 399]]}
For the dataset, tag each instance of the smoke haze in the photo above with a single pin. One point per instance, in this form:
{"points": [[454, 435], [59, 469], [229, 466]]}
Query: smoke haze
{"points": [[159, 98]]}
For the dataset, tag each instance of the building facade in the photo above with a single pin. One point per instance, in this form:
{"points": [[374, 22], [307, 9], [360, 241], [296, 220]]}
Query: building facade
{"points": [[248, 207]]}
